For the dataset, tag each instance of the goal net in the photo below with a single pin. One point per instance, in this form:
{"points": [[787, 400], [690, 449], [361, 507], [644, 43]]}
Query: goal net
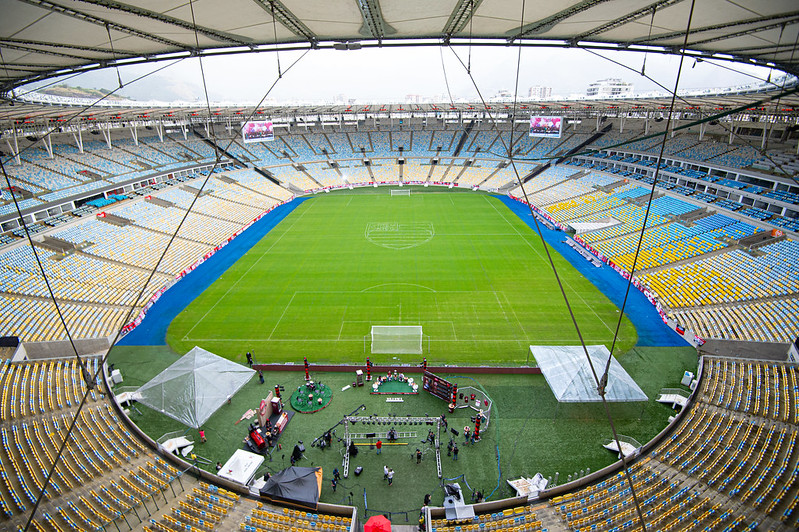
{"points": [[400, 192], [397, 339]]}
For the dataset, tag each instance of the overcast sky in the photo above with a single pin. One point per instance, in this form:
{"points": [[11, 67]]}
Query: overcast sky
{"points": [[389, 74]]}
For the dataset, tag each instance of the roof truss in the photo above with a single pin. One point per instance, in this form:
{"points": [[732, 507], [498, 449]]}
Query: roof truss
{"points": [[283, 15]]}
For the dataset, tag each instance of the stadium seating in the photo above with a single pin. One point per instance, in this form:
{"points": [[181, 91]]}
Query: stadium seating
{"points": [[716, 470], [745, 276], [319, 142], [107, 477], [516, 518], [255, 181], [474, 175], [197, 227], [574, 192], [37, 413], [384, 172]]}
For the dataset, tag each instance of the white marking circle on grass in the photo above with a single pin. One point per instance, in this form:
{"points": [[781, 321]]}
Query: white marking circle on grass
{"points": [[399, 235]]}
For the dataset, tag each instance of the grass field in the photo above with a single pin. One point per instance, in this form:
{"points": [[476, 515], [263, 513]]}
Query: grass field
{"points": [[461, 265]]}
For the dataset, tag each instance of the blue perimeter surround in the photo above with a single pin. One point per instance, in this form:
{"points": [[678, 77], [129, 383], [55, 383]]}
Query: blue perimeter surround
{"points": [[152, 330], [643, 315]]}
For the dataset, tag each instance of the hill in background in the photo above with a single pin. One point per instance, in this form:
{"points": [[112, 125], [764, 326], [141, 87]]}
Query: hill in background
{"points": [[66, 91]]}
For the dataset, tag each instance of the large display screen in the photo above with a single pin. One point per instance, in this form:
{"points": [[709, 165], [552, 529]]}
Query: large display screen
{"points": [[437, 386], [546, 126], [257, 132]]}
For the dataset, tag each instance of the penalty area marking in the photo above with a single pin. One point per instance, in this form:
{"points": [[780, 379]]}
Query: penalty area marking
{"points": [[400, 284], [399, 235], [372, 290]]}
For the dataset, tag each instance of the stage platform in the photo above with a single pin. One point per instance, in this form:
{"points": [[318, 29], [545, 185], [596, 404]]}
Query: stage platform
{"points": [[394, 388], [311, 397]]}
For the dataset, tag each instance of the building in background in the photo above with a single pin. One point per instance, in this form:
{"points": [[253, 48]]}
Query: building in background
{"points": [[538, 92], [611, 87]]}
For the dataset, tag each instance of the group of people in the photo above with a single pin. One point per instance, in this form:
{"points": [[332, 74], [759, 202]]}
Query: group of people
{"points": [[250, 363], [388, 474], [452, 450], [394, 376]]}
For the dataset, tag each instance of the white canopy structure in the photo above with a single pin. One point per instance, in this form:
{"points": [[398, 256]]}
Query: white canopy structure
{"points": [[570, 378], [43, 38], [194, 387]]}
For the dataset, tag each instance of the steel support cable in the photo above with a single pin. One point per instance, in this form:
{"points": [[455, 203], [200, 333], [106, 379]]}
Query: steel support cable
{"points": [[446, 79], [113, 54], [651, 196], [87, 107], [728, 129], [41, 267], [601, 386], [601, 383], [89, 380], [568, 307], [777, 102], [274, 31], [102, 362], [709, 118], [557, 276]]}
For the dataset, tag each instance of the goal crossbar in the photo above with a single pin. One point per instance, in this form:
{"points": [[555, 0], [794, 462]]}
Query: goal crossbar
{"points": [[397, 339]]}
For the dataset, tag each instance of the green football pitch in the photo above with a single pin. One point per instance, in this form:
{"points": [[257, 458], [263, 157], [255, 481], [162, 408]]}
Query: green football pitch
{"points": [[461, 265]]}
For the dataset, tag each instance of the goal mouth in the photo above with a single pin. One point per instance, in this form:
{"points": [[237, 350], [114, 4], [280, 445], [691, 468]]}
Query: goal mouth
{"points": [[400, 192], [397, 339]]}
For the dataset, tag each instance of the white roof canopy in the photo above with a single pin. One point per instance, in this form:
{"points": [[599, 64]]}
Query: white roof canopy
{"points": [[194, 387], [569, 375], [39, 38]]}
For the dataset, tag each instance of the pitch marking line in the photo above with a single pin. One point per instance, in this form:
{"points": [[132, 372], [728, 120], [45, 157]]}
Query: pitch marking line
{"points": [[399, 235], [400, 284], [281, 316], [243, 275], [565, 283], [333, 339], [395, 291], [390, 321]]}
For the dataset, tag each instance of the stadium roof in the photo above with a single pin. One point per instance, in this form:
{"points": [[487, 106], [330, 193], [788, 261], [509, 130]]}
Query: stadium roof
{"points": [[40, 39]]}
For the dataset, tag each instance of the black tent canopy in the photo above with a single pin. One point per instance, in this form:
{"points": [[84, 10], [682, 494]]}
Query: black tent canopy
{"points": [[295, 485]]}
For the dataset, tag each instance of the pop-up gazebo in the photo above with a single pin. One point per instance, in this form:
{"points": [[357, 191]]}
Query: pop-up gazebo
{"points": [[569, 375], [194, 387]]}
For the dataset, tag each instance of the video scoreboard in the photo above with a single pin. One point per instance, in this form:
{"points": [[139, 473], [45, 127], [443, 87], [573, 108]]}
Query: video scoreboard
{"points": [[437, 386]]}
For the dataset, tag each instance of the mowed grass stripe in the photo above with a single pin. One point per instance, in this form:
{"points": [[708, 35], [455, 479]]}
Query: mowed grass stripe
{"points": [[343, 262]]}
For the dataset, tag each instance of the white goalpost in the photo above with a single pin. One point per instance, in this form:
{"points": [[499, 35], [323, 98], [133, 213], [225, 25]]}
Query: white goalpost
{"points": [[397, 339], [400, 192]]}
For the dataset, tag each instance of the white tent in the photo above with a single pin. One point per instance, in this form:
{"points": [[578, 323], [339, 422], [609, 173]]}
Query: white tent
{"points": [[570, 378], [194, 387]]}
